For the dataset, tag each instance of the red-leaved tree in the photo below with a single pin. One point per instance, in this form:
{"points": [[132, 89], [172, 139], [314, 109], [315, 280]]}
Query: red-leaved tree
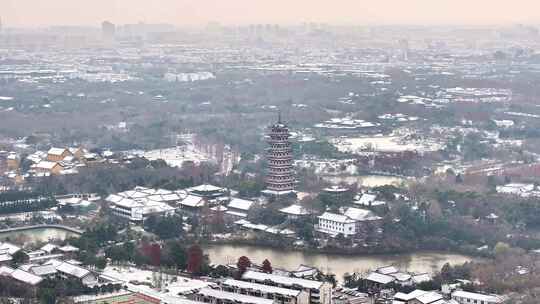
{"points": [[195, 259], [267, 266], [243, 264]]}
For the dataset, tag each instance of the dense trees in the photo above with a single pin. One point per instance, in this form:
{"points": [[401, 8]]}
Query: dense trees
{"points": [[166, 227], [21, 201]]}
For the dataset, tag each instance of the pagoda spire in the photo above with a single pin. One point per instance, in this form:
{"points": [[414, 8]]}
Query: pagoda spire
{"points": [[279, 117]]}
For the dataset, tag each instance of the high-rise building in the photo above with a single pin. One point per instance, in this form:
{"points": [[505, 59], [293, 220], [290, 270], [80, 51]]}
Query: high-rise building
{"points": [[280, 178], [108, 32]]}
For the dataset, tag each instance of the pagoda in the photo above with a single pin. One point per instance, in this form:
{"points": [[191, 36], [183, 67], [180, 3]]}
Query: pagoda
{"points": [[280, 178]]}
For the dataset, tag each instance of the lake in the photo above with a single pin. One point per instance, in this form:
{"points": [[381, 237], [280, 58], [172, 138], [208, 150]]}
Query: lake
{"points": [[37, 235], [338, 264]]}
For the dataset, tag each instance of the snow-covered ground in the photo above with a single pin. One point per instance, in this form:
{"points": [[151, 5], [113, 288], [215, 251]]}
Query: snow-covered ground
{"points": [[383, 144], [172, 287]]}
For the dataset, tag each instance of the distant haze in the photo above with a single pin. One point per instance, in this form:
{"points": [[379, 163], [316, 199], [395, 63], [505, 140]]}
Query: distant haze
{"points": [[199, 12]]}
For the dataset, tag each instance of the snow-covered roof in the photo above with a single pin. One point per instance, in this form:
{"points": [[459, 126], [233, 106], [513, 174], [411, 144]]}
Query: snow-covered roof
{"points": [[387, 270], [237, 214], [5, 257], [68, 248], [192, 201], [20, 275], [73, 270], [241, 204], [409, 296], [261, 287], [56, 151], [422, 277], [429, 297], [334, 217], [380, 278], [366, 199], [9, 248], [285, 281], [42, 270], [401, 276], [47, 165], [477, 296], [205, 188], [234, 297], [295, 210], [48, 247], [361, 214]]}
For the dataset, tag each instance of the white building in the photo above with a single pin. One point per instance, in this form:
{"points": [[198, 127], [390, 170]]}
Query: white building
{"points": [[465, 297], [334, 224], [349, 223], [319, 292], [138, 204]]}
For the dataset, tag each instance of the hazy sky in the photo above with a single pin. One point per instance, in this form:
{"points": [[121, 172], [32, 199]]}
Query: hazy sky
{"points": [[196, 12]]}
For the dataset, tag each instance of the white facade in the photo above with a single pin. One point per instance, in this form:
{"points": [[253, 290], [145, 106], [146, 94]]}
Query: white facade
{"points": [[334, 224], [138, 204], [464, 297]]}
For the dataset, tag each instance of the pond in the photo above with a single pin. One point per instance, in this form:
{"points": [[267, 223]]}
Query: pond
{"points": [[338, 264]]}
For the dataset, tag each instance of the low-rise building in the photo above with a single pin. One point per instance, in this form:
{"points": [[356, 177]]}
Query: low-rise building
{"points": [[352, 222], [138, 204], [319, 292], [465, 297], [278, 294]]}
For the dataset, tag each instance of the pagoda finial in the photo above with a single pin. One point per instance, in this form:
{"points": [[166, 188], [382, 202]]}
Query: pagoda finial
{"points": [[279, 117]]}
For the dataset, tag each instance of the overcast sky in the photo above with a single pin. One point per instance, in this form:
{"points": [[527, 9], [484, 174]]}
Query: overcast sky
{"points": [[200, 12]]}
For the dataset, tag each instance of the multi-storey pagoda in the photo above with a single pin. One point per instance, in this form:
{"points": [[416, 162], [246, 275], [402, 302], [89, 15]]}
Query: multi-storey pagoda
{"points": [[280, 173]]}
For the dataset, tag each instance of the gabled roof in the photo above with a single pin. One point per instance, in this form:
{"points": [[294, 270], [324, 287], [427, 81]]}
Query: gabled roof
{"points": [[285, 281], [366, 199], [9, 248], [429, 297], [361, 214], [234, 297], [193, 201], [49, 247], [57, 151], [387, 270], [380, 278], [242, 204], [73, 270], [26, 277], [20, 275], [295, 209], [334, 217], [43, 270]]}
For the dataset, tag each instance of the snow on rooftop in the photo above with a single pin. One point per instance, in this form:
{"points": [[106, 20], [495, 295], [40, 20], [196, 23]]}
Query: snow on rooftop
{"points": [[261, 287], [234, 297], [286, 281], [242, 204]]}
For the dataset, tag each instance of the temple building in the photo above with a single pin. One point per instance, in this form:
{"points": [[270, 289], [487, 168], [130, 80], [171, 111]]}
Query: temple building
{"points": [[280, 178]]}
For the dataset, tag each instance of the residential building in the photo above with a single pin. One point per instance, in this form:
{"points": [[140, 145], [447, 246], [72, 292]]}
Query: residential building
{"points": [[319, 292], [70, 271], [57, 154], [238, 208], [215, 296], [278, 294], [465, 297]]}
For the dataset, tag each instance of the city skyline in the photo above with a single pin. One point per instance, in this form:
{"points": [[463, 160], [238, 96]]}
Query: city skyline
{"points": [[39, 13]]}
